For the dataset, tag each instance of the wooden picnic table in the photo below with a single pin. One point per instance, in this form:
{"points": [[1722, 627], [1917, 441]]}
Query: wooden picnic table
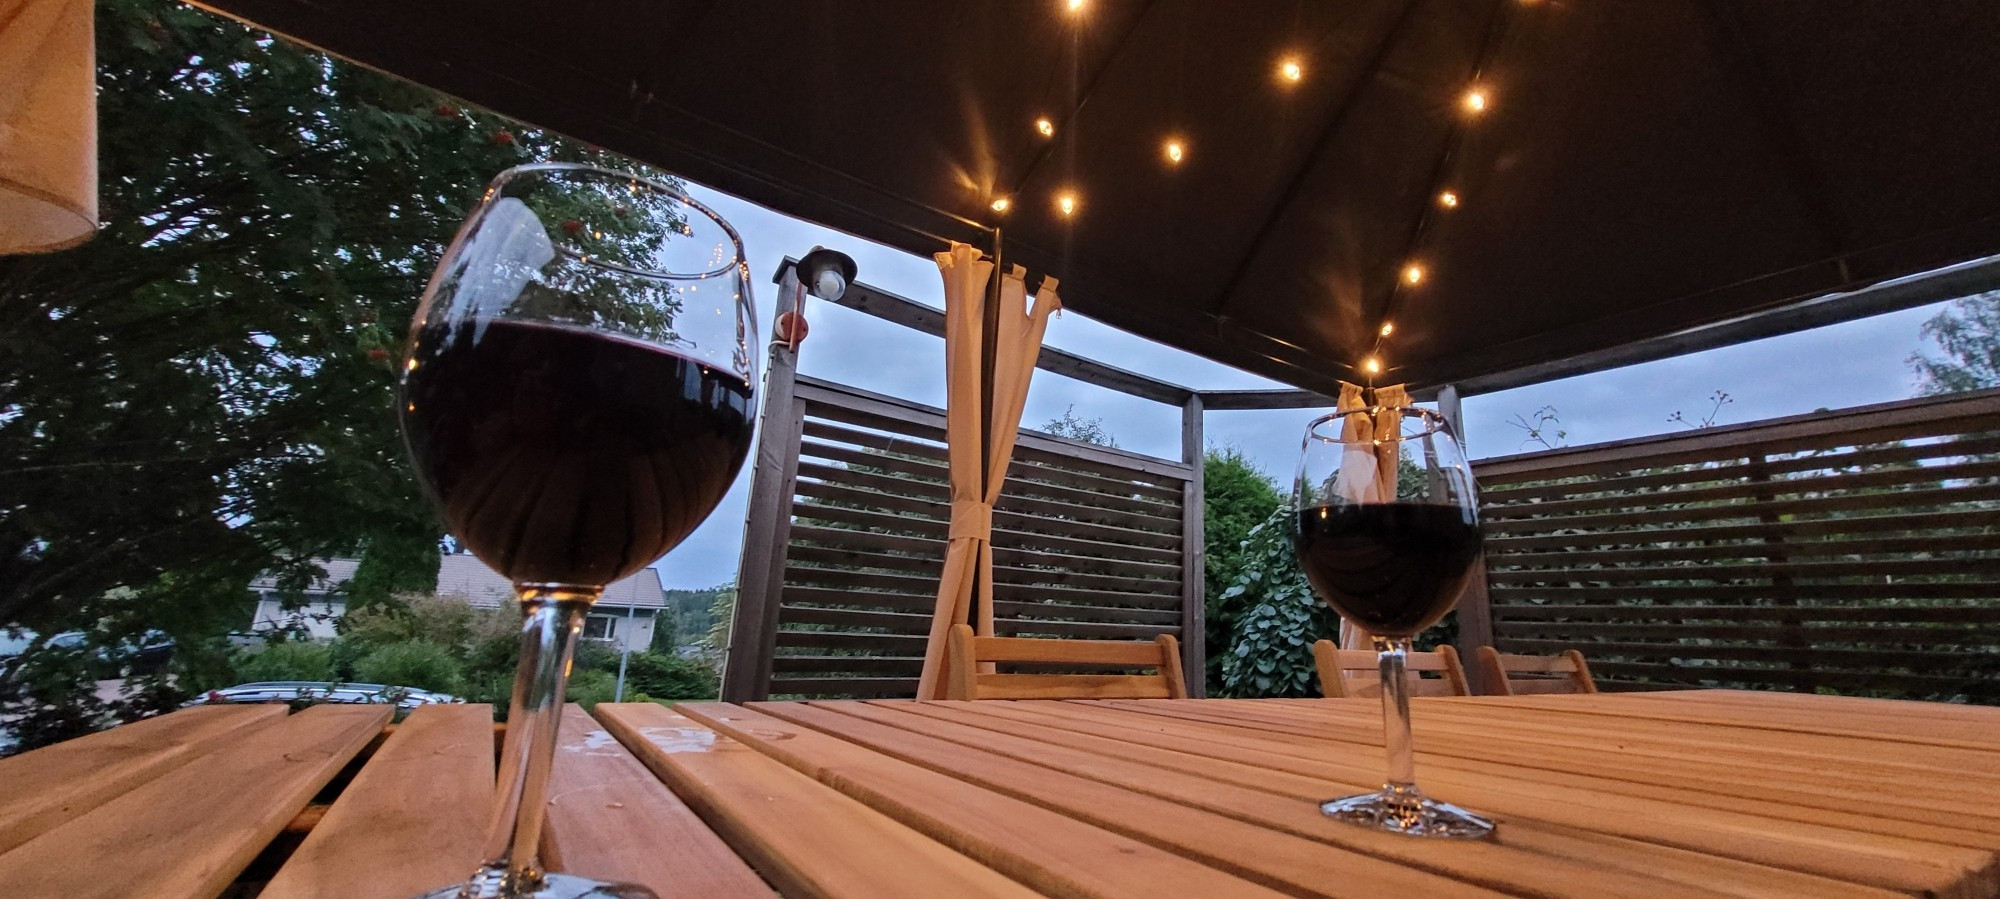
{"points": [[1691, 793]]}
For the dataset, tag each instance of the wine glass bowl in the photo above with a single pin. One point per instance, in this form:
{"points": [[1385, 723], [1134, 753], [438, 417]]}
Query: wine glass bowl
{"points": [[576, 398], [1387, 531]]}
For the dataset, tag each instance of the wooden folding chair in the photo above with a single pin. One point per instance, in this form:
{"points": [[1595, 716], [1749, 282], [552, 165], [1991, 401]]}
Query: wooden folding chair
{"points": [[968, 651], [1507, 674], [1333, 662]]}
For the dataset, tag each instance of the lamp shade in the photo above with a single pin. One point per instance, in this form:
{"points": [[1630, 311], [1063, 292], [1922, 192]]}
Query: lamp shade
{"points": [[48, 125]]}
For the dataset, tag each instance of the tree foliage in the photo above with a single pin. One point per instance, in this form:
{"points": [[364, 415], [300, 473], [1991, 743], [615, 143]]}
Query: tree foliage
{"points": [[203, 391], [1074, 427], [1968, 334], [1269, 652], [1236, 497]]}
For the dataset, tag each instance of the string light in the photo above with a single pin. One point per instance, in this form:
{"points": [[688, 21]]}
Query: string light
{"points": [[1475, 100], [1175, 151], [1076, 6], [1045, 127], [1448, 200], [1290, 69], [1066, 202], [1001, 204], [1371, 365], [1388, 329], [1413, 273]]}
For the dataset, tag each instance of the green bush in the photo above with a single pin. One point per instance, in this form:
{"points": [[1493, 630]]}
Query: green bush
{"points": [[425, 666], [288, 661], [588, 687], [661, 676], [1236, 496], [593, 655], [1270, 653]]}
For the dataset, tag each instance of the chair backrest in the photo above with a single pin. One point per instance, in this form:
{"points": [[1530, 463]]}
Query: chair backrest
{"points": [[1507, 674], [968, 652], [1335, 665]]}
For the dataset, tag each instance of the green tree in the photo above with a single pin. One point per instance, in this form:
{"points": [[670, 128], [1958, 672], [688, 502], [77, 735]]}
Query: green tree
{"points": [[1236, 497], [203, 391], [1967, 332], [1087, 430]]}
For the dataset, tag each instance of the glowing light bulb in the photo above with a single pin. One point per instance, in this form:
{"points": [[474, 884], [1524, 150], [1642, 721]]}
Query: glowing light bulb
{"points": [[1290, 69], [1175, 151], [1075, 6], [1045, 127], [1001, 204], [1448, 200], [1388, 329], [1475, 100], [1372, 365], [1413, 274], [1067, 203]]}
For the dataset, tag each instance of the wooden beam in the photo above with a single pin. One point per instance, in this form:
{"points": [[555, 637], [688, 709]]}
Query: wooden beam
{"points": [[1194, 565], [919, 317], [1281, 398], [753, 629], [1947, 283]]}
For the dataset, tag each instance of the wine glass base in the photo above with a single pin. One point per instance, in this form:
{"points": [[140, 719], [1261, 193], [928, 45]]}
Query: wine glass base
{"points": [[1408, 812], [554, 886]]}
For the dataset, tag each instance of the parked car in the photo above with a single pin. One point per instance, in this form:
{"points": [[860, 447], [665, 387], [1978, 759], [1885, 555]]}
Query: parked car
{"points": [[323, 691]]}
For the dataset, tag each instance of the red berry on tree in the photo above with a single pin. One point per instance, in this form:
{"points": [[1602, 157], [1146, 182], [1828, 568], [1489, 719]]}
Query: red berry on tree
{"points": [[445, 110], [572, 226], [378, 354], [503, 138]]}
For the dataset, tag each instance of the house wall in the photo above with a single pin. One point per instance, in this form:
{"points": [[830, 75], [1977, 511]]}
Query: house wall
{"points": [[317, 616], [636, 633]]}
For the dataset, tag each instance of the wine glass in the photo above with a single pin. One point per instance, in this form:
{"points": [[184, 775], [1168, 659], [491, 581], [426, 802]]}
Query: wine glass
{"points": [[1388, 533], [577, 398]]}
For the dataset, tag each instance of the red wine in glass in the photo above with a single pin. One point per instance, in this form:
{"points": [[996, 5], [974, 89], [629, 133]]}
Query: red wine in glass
{"points": [[562, 455], [1393, 569]]}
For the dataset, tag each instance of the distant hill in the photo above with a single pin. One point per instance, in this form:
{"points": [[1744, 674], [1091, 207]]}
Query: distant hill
{"points": [[693, 613]]}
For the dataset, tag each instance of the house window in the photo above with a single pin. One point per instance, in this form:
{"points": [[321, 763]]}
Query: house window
{"points": [[597, 627]]}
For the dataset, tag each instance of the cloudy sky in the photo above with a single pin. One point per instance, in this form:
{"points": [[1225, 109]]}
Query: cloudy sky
{"points": [[1844, 365]]}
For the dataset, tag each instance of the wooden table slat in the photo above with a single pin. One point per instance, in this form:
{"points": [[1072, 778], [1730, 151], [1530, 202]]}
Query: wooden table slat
{"points": [[1284, 861], [190, 831], [803, 836], [413, 819], [44, 788], [610, 819], [1050, 852], [1796, 844], [1529, 857]]}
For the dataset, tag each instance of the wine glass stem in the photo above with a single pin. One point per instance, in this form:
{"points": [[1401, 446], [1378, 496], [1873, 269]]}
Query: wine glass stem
{"points": [[552, 614], [1402, 780]]}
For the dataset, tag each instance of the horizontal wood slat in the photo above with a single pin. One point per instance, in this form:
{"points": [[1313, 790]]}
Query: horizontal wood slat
{"points": [[1087, 543], [1855, 551]]}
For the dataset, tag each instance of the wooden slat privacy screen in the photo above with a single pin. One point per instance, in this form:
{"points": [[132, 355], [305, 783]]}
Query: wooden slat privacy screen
{"points": [[1855, 551], [1088, 542]]}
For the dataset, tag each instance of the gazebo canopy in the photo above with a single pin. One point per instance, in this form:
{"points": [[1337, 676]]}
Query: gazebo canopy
{"points": [[1617, 170]]}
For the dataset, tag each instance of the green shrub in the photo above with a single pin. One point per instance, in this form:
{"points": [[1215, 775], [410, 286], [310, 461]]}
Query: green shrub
{"points": [[588, 688], [661, 676], [425, 666], [594, 655], [1270, 652], [287, 661]]}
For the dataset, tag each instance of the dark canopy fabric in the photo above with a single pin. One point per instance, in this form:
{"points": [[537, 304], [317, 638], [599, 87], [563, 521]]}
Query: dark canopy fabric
{"points": [[1641, 166]]}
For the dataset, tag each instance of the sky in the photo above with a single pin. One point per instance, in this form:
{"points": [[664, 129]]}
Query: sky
{"points": [[1850, 364]]}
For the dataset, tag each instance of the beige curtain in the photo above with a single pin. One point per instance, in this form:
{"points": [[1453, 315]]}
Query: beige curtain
{"points": [[1370, 434], [48, 125], [975, 478]]}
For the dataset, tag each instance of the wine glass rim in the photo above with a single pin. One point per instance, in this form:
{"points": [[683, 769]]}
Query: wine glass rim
{"points": [[1433, 423], [740, 263]]}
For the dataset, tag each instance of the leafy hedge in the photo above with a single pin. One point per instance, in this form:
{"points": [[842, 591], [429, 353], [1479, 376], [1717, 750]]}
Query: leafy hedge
{"points": [[1270, 649]]}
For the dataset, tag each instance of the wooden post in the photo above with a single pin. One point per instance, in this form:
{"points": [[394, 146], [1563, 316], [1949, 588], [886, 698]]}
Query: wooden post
{"points": [[1194, 564], [760, 579], [1475, 605]]}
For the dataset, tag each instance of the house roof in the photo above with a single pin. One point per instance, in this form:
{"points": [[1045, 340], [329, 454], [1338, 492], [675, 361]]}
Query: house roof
{"points": [[463, 575]]}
